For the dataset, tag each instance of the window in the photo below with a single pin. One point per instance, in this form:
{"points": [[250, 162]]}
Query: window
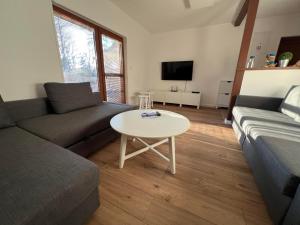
{"points": [[113, 69], [77, 51], [92, 54]]}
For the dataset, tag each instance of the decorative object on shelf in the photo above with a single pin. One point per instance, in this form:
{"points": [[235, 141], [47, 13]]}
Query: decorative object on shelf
{"points": [[285, 58], [250, 63], [289, 44], [297, 64], [174, 88], [270, 60]]}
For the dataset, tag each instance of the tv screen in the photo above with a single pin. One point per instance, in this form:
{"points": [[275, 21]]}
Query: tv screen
{"points": [[182, 70]]}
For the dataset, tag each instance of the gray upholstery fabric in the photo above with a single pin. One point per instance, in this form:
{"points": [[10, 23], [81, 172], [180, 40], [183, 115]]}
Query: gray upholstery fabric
{"points": [[94, 143], [281, 159], [97, 97], [67, 97], [291, 103], [242, 114], [238, 132], [293, 213], [5, 119], [254, 129], [69, 128], [277, 137], [81, 214], [41, 183], [271, 147], [276, 202], [256, 122], [266, 103], [29, 108]]}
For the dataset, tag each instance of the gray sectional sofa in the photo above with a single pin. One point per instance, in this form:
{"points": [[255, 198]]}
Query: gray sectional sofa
{"points": [[42, 181], [82, 131], [268, 130]]}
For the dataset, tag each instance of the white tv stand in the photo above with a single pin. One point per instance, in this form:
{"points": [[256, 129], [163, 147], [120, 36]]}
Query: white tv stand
{"points": [[179, 97]]}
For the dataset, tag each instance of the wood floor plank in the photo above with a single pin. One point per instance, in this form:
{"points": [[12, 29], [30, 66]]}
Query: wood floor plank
{"points": [[252, 219], [213, 184], [127, 197], [161, 212], [110, 214]]}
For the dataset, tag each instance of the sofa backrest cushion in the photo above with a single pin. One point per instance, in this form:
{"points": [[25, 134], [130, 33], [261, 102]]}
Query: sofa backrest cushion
{"points": [[5, 120], [28, 108], [67, 97], [291, 103]]}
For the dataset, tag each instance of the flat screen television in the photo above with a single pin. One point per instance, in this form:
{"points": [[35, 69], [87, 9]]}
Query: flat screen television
{"points": [[181, 70]]}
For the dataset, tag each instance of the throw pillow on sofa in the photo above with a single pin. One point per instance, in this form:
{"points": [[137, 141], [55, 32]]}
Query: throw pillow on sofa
{"points": [[5, 120], [67, 97], [291, 103]]}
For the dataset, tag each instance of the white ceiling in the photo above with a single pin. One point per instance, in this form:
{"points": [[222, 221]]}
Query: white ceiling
{"points": [[166, 15]]}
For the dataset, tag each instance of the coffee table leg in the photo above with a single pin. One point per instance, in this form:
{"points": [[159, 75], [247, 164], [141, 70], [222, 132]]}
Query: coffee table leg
{"points": [[122, 150], [172, 154]]}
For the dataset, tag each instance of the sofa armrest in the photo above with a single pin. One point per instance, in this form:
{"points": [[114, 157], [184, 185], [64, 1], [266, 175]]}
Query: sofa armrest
{"points": [[266, 103]]}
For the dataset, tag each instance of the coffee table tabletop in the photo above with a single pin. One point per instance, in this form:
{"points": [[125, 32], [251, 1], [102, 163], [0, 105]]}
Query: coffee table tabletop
{"points": [[165, 127], [133, 124]]}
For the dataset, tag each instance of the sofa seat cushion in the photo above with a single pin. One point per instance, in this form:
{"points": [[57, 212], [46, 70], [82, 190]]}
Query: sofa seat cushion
{"points": [[241, 114], [70, 128], [40, 182], [257, 122], [280, 156]]}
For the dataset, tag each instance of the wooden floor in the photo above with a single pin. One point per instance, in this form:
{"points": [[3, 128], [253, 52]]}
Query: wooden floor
{"points": [[213, 183]]}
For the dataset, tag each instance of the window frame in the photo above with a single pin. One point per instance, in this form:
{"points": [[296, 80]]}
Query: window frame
{"points": [[99, 31], [118, 38]]}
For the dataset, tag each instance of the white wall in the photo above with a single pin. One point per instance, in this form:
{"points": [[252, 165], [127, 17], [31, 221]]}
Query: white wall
{"points": [[108, 15], [29, 52], [214, 50], [28, 49], [269, 83]]}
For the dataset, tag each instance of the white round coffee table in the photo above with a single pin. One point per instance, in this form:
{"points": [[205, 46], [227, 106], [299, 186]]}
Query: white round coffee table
{"points": [[165, 127]]}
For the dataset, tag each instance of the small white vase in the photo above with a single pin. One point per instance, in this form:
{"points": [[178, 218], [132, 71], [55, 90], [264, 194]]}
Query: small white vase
{"points": [[283, 63]]}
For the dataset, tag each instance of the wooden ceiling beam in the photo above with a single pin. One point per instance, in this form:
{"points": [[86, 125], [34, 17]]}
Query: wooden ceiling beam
{"points": [[242, 14]]}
